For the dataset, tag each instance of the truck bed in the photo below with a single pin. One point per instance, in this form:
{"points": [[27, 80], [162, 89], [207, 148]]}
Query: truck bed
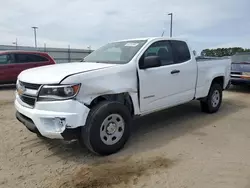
{"points": [[209, 68]]}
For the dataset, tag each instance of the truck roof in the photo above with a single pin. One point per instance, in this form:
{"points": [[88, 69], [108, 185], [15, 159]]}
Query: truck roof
{"points": [[151, 38]]}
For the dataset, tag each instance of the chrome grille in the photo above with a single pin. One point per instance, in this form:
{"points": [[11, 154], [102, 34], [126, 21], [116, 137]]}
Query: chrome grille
{"points": [[27, 93], [29, 85], [28, 100], [236, 73]]}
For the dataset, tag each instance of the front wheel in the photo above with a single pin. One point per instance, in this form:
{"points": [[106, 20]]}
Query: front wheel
{"points": [[107, 128], [213, 101]]}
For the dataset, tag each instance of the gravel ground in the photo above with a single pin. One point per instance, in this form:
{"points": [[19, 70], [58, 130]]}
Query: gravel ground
{"points": [[177, 148]]}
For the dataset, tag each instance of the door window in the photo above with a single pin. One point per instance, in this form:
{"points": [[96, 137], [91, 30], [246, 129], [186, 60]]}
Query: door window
{"points": [[163, 50], [37, 58], [5, 59], [29, 58], [181, 51]]}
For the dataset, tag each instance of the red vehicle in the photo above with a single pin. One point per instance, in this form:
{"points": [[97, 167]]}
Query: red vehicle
{"points": [[12, 63]]}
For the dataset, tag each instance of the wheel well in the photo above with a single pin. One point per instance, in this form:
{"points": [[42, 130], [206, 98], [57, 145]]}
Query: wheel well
{"points": [[123, 98], [219, 80]]}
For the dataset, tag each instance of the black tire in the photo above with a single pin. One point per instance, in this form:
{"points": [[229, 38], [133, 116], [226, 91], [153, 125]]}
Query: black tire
{"points": [[207, 104], [204, 106], [90, 134]]}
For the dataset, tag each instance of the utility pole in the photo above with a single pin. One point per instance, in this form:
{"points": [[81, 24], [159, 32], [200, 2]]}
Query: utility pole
{"points": [[15, 43], [69, 56], [35, 28], [171, 24]]}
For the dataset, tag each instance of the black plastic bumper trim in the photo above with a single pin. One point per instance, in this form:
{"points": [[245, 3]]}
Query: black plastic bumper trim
{"points": [[67, 134], [29, 124], [71, 134]]}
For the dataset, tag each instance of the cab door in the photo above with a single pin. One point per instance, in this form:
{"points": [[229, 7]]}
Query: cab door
{"points": [[170, 84]]}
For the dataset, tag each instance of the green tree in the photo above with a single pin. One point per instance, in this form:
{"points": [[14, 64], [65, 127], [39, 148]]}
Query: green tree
{"points": [[220, 52]]}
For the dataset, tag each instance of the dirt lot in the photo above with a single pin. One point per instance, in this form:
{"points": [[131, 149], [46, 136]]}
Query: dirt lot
{"points": [[178, 148]]}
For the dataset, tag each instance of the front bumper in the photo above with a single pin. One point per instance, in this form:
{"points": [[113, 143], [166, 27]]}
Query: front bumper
{"points": [[43, 118]]}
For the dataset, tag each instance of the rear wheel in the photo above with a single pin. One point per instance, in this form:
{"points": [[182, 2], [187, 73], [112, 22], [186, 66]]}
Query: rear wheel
{"points": [[212, 102], [107, 128]]}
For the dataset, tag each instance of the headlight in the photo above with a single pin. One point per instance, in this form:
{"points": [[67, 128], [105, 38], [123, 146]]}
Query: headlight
{"points": [[58, 92]]}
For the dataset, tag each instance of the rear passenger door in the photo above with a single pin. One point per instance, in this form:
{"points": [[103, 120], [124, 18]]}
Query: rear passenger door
{"points": [[186, 78], [173, 82], [25, 61]]}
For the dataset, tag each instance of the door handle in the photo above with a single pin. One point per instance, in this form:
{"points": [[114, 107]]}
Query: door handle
{"points": [[175, 71]]}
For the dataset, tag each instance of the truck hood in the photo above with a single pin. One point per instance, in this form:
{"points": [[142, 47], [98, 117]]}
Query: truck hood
{"points": [[53, 74]]}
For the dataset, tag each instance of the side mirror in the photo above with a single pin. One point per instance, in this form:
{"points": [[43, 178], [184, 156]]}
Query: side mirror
{"points": [[150, 62]]}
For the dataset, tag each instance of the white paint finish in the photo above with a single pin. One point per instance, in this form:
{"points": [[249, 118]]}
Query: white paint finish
{"points": [[53, 74], [207, 71], [151, 39], [73, 111], [158, 88], [114, 80]]}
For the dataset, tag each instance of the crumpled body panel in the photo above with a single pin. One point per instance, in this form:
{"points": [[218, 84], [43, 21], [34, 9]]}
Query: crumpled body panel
{"points": [[113, 80]]}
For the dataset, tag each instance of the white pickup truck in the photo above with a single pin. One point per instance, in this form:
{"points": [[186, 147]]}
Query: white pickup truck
{"points": [[95, 100]]}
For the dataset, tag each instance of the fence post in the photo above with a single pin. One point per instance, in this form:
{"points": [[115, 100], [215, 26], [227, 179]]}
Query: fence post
{"points": [[89, 48], [69, 58]]}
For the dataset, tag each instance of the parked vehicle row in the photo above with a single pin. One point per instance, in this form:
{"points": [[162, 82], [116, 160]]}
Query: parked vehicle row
{"points": [[240, 71], [12, 63]]}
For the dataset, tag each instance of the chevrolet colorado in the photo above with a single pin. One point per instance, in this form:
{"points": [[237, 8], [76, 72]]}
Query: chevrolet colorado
{"points": [[95, 101]]}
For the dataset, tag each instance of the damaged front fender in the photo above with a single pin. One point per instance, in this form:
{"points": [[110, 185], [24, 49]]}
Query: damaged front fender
{"points": [[107, 82]]}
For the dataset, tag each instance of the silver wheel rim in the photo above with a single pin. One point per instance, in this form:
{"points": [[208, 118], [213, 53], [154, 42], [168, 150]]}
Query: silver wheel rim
{"points": [[215, 98], [112, 129]]}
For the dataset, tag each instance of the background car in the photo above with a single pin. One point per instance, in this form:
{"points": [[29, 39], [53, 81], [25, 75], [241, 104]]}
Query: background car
{"points": [[240, 68], [12, 63]]}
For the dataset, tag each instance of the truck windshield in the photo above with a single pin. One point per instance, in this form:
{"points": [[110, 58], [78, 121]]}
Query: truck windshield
{"points": [[116, 52]]}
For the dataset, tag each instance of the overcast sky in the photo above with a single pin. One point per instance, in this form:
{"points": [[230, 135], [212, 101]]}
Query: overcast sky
{"points": [[80, 23]]}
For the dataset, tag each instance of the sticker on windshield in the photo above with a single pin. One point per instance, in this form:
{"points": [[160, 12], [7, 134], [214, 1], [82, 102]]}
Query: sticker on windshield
{"points": [[130, 44]]}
